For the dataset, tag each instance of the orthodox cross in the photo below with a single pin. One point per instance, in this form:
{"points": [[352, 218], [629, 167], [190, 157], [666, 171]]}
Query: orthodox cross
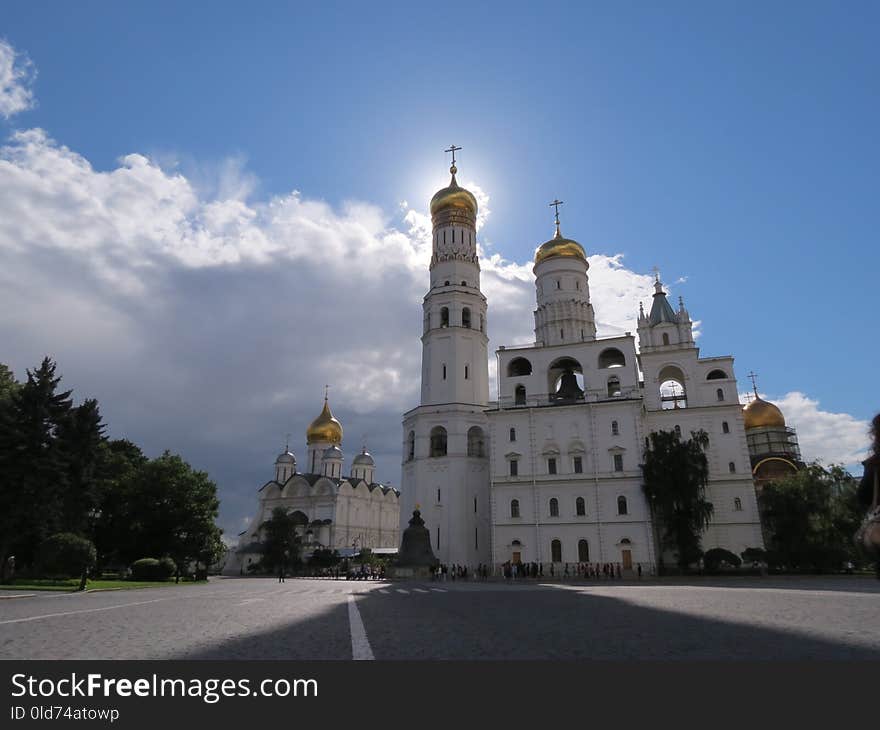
{"points": [[555, 205], [656, 272], [453, 149], [326, 388], [753, 376], [286, 442]]}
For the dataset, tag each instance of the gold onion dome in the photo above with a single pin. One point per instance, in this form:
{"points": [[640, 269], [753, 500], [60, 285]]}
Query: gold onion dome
{"points": [[454, 197], [325, 428], [560, 246], [761, 414]]}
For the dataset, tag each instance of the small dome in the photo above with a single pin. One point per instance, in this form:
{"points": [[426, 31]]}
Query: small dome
{"points": [[559, 246], [325, 428], [286, 458], [363, 459], [761, 414], [333, 452], [454, 197]]}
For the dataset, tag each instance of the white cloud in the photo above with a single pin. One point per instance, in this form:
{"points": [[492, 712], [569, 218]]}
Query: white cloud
{"points": [[17, 75], [833, 438]]}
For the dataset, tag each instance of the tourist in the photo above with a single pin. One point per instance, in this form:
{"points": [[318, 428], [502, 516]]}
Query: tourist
{"points": [[640, 570]]}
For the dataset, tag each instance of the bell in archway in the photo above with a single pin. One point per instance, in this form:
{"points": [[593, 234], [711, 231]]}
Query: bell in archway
{"points": [[569, 390]]}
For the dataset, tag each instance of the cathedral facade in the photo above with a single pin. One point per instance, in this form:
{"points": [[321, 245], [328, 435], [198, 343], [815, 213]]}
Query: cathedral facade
{"points": [[332, 511], [550, 472]]}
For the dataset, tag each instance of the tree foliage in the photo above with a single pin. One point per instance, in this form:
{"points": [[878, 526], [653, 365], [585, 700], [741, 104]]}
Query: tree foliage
{"points": [[676, 474], [65, 555], [810, 518], [281, 545], [712, 559]]}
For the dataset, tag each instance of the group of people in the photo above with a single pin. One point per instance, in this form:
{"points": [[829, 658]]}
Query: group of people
{"points": [[607, 571], [452, 572]]}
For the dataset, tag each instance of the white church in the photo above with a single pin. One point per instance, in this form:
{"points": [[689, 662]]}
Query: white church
{"points": [[549, 473], [342, 513]]}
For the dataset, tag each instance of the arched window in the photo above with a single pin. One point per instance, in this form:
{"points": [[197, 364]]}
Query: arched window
{"points": [[519, 395], [672, 390], [444, 371], [514, 508], [583, 551], [724, 427], [466, 318], [554, 507], [614, 387], [411, 446], [611, 357], [464, 283], [476, 442], [482, 324], [514, 468], [444, 316], [737, 504], [621, 505], [519, 367], [556, 551], [731, 466], [665, 338], [513, 434], [615, 428], [717, 375], [580, 507], [678, 431], [466, 372], [719, 393], [565, 380], [438, 441]]}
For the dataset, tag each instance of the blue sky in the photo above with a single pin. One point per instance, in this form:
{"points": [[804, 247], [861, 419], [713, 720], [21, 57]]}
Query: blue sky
{"points": [[732, 145]]}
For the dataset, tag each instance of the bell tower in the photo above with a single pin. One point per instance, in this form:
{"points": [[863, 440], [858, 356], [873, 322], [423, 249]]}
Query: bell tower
{"points": [[445, 450]]}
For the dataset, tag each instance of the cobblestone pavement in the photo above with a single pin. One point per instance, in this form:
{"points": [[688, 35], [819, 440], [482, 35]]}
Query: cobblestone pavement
{"points": [[759, 618]]}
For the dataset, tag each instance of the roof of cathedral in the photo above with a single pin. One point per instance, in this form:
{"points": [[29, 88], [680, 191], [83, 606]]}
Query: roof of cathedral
{"points": [[332, 452], [364, 458], [325, 428], [661, 309], [286, 458], [558, 246], [311, 479], [762, 414], [454, 196]]}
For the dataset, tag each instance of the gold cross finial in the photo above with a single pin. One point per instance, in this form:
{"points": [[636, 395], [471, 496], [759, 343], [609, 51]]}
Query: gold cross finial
{"points": [[453, 149], [555, 205], [326, 389], [286, 442]]}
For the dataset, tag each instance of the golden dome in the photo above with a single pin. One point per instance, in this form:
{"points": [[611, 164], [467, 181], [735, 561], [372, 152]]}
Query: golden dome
{"points": [[325, 428], [454, 197], [559, 246], [761, 414]]}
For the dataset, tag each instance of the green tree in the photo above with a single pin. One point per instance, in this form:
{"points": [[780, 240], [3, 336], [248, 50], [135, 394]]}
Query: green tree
{"points": [[281, 544], [810, 517], [32, 467], [64, 555], [8, 383], [676, 474], [80, 435]]}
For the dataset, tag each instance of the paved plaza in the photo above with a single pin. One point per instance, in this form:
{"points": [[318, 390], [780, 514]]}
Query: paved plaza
{"points": [[255, 618]]}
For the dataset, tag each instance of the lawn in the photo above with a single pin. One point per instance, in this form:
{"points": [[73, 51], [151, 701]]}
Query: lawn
{"points": [[73, 583]]}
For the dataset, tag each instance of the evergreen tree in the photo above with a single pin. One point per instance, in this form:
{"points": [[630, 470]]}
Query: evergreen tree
{"points": [[80, 435], [676, 474]]}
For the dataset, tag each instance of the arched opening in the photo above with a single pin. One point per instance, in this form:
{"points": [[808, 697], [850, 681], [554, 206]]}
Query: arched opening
{"points": [[411, 446], [519, 367], [476, 442], [665, 338], [519, 395], [466, 318], [717, 375], [719, 394], [556, 551], [737, 504], [554, 507], [621, 505], [565, 380], [580, 507], [444, 316], [482, 324], [514, 508], [583, 551], [438, 441], [615, 428], [731, 466], [725, 427], [512, 434], [611, 357], [672, 390], [614, 387]]}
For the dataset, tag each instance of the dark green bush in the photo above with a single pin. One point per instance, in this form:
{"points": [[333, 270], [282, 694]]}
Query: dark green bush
{"points": [[65, 555], [712, 559], [152, 569]]}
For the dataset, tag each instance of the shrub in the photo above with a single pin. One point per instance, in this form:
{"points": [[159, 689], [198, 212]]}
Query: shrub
{"points": [[754, 555], [152, 569], [713, 558], [65, 555]]}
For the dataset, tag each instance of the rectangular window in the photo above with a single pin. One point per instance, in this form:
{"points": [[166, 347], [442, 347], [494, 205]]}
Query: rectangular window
{"points": [[618, 462], [438, 496], [513, 434], [514, 468], [444, 372], [438, 538], [465, 372], [578, 465], [476, 539], [551, 466], [475, 505], [724, 427]]}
